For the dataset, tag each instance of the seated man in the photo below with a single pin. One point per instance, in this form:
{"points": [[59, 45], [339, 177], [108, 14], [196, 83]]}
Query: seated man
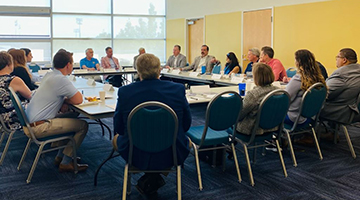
{"points": [[141, 51], [108, 62], [204, 60], [89, 62], [253, 57], [150, 88], [177, 60], [343, 86], [53, 95], [267, 57]]}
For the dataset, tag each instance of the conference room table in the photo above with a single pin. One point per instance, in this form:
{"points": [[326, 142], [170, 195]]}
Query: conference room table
{"points": [[103, 72]]}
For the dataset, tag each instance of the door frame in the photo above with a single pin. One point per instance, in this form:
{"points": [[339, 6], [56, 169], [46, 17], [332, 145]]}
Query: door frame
{"points": [[242, 27], [185, 52]]}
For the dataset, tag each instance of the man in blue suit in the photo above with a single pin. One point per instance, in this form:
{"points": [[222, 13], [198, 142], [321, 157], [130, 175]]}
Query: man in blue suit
{"points": [[151, 88]]}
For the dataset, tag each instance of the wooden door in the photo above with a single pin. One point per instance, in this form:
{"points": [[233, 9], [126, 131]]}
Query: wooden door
{"points": [[257, 26], [195, 38]]}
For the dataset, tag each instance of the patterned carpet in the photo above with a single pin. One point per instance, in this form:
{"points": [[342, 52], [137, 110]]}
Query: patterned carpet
{"points": [[336, 177]]}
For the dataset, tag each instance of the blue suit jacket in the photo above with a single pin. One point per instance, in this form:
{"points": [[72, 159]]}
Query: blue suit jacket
{"points": [[172, 94]]}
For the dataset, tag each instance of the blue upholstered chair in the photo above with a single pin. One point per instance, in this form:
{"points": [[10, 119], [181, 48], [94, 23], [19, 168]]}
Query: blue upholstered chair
{"points": [[271, 113], [40, 142], [216, 69], [158, 132], [343, 125], [222, 113], [291, 72], [34, 68], [311, 105]]}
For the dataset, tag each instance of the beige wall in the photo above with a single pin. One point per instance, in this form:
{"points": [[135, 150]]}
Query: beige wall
{"points": [[322, 27], [175, 34]]}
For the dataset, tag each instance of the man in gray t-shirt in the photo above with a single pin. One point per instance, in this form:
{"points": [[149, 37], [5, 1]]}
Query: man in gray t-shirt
{"points": [[55, 93]]}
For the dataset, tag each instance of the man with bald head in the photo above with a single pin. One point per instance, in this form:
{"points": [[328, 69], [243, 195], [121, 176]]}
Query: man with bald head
{"points": [[343, 86]]}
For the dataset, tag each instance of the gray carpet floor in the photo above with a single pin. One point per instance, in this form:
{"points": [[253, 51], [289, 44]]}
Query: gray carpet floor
{"points": [[337, 176]]}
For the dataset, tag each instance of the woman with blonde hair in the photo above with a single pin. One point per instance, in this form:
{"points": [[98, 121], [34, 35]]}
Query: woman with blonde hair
{"points": [[263, 78], [20, 68], [308, 73]]}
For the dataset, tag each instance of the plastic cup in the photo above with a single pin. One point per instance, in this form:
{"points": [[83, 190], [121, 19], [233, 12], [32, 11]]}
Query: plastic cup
{"points": [[102, 96], [242, 87]]}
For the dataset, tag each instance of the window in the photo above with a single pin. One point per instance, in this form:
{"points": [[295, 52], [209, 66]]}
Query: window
{"points": [[45, 26], [139, 7], [82, 6], [24, 27], [41, 51], [81, 26], [139, 27], [78, 47], [31, 3]]}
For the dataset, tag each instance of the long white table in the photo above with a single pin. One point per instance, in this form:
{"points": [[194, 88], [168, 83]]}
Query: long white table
{"points": [[102, 72]]}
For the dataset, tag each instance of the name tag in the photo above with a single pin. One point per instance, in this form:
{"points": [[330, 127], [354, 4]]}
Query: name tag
{"points": [[80, 71], [42, 72], [110, 70], [175, 71], [91, 82], [164, 71], [216, 76], [235, 79], [72, 78], [108, 87], [200, 89], [193, 74]]}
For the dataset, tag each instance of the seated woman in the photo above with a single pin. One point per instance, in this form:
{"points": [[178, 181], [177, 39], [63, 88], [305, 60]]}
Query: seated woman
{"points": [[232, 64], [308, 73], [7, 109], [20, 69], [263, 79]]}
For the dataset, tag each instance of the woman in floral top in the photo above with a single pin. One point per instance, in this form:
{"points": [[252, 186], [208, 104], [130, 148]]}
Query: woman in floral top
{"points": [[6, 80]]}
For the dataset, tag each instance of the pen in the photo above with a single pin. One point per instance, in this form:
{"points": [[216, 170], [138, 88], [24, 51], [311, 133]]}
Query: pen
{"points": [[194, 98]]}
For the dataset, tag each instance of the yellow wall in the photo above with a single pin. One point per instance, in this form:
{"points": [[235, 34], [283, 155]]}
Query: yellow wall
{"points": [[175, 34], [323, 28], [223, 35]]}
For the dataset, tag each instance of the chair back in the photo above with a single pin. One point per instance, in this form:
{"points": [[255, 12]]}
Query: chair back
{"points": [[353, 114], [216, 69], [272, 111], [312, 102], [222, 112], [152, 127], [291, 72], [21, 114], [34, 68]]}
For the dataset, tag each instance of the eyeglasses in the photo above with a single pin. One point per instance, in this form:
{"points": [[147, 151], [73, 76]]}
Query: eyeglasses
{"points": [[336, 57]]}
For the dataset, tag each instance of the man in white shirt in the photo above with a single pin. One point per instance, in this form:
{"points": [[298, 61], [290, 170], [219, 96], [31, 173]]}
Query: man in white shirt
{"points": [[177, 60], [204, 60]]}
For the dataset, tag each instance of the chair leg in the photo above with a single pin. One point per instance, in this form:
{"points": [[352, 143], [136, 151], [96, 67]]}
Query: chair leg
{"points": [[125, 181], [349, 142], [6, 146], [291, 149], [100, 166], [249, 166], [178, 182], [317, 143], [24, 154], [35, 163], [236, 162], [197, 166], [128, 192], [281, 158], [2, 136], [224, 160]]}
